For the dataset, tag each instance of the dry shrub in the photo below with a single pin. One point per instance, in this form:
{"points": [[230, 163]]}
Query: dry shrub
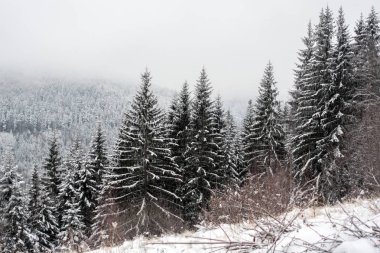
{"points": [[261, 195], [363, 158]]}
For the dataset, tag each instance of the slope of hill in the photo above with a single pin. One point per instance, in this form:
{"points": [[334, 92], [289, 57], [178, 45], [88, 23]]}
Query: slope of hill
{"points": [[30, 108], [347, 228]]}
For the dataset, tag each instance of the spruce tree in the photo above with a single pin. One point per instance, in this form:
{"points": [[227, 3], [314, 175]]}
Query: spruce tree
{"points": [[173, 113], [315, 80], [248, 121], [6, 180], [241, 168], [180, 125], [92, 179], [41, 218], [360, 66], [179, 122], [372, 40], [52, 176], [302, 68], [303, 105], [143, 172], [219, 136], [337, 113], [15, 232], [72, 235], [199, 172], [231, 149], [267, 136]]}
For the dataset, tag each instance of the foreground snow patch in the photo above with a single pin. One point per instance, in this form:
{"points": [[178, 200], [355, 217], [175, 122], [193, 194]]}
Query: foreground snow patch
{"points": [[347, 228]]}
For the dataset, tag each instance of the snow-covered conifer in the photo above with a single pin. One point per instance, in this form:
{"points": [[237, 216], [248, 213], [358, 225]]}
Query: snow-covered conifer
{"points": [[372, 40], [219, 136], [72, 237], [90, 179], [52, 176], [71, 201], [267, 136], [336, 115], [15, 232], [143, 170], [42, 222], [312, 78], [231, 149], [248, 121], [199, 175]]}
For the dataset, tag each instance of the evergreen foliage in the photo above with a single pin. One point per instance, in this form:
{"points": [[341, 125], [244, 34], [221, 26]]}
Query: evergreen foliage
{"points": [[267, 136], [248, 121], [143, 172], [72, 235], [41, 217], [200, 176], [15, 232]]}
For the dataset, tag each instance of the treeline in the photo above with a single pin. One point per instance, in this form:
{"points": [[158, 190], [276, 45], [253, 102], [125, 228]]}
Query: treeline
{"points": [[165, 167]]}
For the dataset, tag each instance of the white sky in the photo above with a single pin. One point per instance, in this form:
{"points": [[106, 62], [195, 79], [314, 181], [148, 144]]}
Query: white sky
{"points": [[116, 40]]}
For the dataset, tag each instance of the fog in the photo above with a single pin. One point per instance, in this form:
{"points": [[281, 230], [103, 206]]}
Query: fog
{"points": [[174, 39]]}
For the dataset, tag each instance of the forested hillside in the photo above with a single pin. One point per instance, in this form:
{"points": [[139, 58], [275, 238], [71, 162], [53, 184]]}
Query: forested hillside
{"points": [[119, 163], [31, 108]]}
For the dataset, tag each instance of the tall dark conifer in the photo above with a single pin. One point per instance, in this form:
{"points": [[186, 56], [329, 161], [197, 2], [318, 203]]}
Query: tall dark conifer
{"points": [[41, 218], [372, 40], [219, 136], [267, 136], [15, 235], [336, 115], [93, 180], [312, 84], [248, 156], [72, 236], [143, 173], [179, 121], [199, 172], [52, 176]]}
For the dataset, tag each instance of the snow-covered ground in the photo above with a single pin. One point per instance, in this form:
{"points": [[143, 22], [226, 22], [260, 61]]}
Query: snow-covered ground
{"points": [[346, 228]]}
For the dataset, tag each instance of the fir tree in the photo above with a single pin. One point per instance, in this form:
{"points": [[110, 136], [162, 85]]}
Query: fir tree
{"points": [[72, 235], [372, 40], [248, 121], [6, 180], [360, 66], [179, 118], [15, 233], [301, 72], [336, 115], [143, 172], [91, 179], [311, 104], [219, 136], [238, 156], [199, 172], [180, 125], [72, 238], [41, 219], [267, 136], [230, 148], [173, 112], [52, 176]]}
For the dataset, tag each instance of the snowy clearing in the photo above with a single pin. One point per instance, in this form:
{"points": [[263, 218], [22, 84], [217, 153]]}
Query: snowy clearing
{"points": [[347, 228]]}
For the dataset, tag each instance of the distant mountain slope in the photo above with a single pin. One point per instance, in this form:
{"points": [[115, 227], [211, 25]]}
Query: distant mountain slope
{"points": [[30, 108]]}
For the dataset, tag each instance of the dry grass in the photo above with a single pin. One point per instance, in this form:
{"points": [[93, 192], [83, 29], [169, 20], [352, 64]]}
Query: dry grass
{"points": [[261, 195]]}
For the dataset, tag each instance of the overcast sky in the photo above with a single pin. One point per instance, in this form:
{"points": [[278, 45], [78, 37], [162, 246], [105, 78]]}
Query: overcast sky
{"points": [[116, 40]]}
